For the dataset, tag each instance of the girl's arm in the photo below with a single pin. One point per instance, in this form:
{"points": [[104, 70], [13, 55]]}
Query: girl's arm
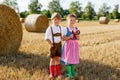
{"points": [[77, 37], [78, 34], [49, 42], [64, 38]]}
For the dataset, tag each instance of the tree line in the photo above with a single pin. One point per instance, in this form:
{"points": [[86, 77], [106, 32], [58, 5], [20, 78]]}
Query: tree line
{"points": [[88, 13]]}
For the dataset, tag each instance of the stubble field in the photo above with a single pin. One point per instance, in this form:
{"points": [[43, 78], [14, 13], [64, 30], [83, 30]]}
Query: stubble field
{"points": [[99, 47]]}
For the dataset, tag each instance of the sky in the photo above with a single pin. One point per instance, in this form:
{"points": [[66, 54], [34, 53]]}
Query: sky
{"points": [[23, 4]]}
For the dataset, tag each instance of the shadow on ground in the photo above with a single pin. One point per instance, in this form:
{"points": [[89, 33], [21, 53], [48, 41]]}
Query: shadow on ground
{"points": [[88, 70]]}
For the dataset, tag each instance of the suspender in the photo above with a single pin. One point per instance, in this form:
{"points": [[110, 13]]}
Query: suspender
{"points": [[60, 32], [53, 34]]}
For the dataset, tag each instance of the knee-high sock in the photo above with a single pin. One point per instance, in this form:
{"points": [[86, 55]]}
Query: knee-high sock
{"points": [[73, 70], [69, 71], [58, 69], [52, 70]]}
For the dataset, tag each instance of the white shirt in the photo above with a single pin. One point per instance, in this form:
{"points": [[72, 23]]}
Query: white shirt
{"points": [[56, 29]]}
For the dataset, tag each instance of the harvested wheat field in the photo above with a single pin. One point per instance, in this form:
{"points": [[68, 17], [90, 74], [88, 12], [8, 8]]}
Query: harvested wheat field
{"points": [[99, 55]]}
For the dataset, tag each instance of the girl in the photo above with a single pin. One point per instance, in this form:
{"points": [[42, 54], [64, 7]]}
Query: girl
{"points": [[70, 50]]}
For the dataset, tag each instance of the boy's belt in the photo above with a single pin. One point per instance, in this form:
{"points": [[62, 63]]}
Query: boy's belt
{"points": [[57, 43], [57, 34]]}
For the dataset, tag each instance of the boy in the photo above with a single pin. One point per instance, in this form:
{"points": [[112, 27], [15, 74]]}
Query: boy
{"points": [[53, 36]]}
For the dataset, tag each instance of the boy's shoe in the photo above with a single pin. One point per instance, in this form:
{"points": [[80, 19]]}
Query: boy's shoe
{"points": [[60, 77], [51, 77]]}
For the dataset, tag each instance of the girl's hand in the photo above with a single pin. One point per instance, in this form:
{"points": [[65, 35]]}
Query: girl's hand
{"points": [[77, 32], [77, 37]]}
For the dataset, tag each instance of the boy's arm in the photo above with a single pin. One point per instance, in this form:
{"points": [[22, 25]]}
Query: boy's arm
{"points": [[49, 42], [47, 36]]}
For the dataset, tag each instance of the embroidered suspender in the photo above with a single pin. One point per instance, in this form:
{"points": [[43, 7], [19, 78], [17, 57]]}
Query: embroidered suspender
{"points": [[52, 35], [57, 34], [60, 32]]}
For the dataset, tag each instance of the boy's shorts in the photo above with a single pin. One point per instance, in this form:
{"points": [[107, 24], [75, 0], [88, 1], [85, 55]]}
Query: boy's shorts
{"points": [[56, 50]]}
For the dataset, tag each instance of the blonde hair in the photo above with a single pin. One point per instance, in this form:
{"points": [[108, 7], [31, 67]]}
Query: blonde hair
{"points": [[56, 16], [71, 15]]}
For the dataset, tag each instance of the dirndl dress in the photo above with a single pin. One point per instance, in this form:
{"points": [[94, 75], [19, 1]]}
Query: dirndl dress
{"points": [[70, 50]]}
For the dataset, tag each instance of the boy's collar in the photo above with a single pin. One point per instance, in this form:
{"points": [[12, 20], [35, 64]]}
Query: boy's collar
{"points": [[54, 25]]}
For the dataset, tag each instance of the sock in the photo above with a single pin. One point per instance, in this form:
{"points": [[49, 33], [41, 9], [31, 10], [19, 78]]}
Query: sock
{"points": [[69, 72], [73, 70], [58, 70], [52, 71]]}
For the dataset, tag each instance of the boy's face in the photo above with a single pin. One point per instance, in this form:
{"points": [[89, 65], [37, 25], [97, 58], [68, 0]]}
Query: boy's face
{"points": [[56, 21], [71, 21]]}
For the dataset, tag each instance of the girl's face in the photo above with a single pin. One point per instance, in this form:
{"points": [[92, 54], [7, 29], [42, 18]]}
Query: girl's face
{"points": [[56, 21], [71, 21]]}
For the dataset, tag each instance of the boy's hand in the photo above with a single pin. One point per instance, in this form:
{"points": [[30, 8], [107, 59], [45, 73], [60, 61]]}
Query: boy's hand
{"points": [[51, 45]]}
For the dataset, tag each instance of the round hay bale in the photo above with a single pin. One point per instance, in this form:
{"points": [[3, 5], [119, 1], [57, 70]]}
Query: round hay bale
{"points": [[103, 20], [77, 21], [36, 23], [22, 20], [10, 30], [116, 20]]}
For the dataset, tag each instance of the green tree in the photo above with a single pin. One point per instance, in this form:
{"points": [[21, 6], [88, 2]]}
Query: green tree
{"points": [[89, 11], [54, 6], [111, 16], [83, 16], [24, 14], [35, 7], [75, 8], [46, 12], [65, 13], [12, 3], [104, 10], [115, 12]]}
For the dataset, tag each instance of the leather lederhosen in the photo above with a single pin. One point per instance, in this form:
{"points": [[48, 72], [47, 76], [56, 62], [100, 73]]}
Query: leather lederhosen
{"points": [[56, 49]]}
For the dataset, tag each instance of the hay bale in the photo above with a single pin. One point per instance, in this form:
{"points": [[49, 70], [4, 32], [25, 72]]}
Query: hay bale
{"points": [[22, 20], [36, 23], [77, 21], [10, 30], [103, 20], [116, 20]]}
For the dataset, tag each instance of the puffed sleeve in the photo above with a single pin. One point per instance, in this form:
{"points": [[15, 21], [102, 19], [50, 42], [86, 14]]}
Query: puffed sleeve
{"points": [[48, 34], [64, 31]]}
